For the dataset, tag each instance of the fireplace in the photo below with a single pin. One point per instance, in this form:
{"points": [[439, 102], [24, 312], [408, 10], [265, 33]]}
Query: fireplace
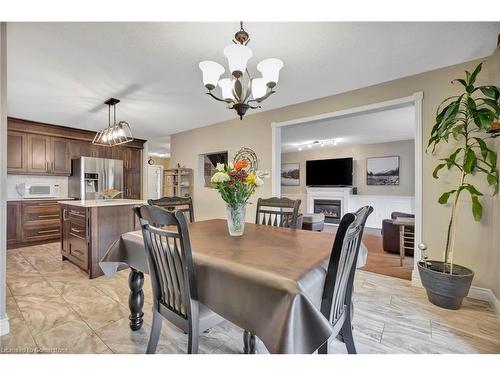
{"points": [[331, 208]]}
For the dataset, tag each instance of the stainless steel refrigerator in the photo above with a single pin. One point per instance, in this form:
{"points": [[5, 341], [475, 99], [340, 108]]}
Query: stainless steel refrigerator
{"points": [[91, 176]]}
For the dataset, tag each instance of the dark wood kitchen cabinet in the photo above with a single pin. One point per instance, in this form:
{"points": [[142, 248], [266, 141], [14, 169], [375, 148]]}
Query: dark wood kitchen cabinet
{"points": [[88, 232], [132, 162], [38, 154], [85, 148], [13, 223], [30, 222], [47, 155], [16, 152], [43, 149], [60, 163]]}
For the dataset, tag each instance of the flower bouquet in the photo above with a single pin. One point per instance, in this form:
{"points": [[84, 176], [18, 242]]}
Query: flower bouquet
{"points": [[236, 184]]}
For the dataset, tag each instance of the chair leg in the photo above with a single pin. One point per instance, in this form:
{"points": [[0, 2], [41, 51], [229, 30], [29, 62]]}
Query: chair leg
{"points": [[346, 332], [155, 333], [193, 337]]}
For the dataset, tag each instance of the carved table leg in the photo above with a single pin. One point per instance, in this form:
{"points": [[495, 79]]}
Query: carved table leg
{"points": [[136, 298], [249, 343]]}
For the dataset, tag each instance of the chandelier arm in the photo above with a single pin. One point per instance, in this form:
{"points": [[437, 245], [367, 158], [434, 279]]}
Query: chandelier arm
{"points": [[259, 100], [219, 99]]}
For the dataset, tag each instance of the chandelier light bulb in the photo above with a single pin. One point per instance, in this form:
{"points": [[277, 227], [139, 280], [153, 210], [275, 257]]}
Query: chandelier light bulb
{"points": [[237, 57], [211, 73], [300, 148], [270, 69], [227, 89]]}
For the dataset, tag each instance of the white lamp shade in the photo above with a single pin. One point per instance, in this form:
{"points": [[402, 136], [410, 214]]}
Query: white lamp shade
{"points": [[259, 88], [227, 88], [237, 57], [270, 69], [211, 73]]}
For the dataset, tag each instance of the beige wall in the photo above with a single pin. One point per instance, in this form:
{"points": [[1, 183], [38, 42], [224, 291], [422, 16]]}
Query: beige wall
{"points": [[165, 162], [404, 149], [475, 247]]}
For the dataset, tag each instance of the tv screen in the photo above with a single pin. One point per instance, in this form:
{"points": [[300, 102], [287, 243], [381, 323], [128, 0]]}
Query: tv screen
{"points": [[329, 172]]}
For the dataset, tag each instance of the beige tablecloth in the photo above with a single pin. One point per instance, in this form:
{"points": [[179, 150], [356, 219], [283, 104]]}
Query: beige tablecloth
{"points": [[269, 281]]}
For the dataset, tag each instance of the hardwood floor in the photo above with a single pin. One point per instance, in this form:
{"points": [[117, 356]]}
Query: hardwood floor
{"points": [[54, 308], [380, 261]]}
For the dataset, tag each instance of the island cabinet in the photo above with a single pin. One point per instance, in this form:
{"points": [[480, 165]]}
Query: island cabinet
{"points": [[89, 228]]}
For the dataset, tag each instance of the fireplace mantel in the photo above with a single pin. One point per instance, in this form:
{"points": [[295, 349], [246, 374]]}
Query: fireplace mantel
{"points": [[338, 193]]}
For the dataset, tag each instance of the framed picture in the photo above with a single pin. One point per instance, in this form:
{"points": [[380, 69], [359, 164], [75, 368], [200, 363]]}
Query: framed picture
{"points": [[290, 174], [382, 171]]}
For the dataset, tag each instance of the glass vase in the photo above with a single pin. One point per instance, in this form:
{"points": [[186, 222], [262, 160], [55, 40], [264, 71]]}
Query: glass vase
{"points": [[236, 219]]}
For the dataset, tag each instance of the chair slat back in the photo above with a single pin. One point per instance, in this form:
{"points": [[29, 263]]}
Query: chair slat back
{"points": [[184, 204], [278, 212], [339, 281], [168, 251]]}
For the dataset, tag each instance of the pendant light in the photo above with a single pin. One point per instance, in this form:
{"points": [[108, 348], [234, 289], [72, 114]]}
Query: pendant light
{"points": [[116, 133]]}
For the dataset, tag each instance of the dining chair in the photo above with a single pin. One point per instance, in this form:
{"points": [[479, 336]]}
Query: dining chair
{"points": [[173, 279], [278, 212], [184, 204], [336, 303]]}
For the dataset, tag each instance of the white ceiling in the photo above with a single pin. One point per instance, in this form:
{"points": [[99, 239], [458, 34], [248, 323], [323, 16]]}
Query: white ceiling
{"points": [[389, 125], [61, 73]]}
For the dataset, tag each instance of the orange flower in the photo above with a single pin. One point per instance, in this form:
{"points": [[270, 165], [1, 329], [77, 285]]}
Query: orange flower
{"points": [[241, 164]]}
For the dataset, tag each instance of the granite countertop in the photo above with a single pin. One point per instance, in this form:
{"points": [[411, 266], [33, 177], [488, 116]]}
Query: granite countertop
{"points": [[105, 202]]}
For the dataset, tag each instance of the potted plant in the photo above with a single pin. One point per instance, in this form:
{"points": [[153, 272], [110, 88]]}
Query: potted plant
{"points": [[236, 184], [464, 120]]}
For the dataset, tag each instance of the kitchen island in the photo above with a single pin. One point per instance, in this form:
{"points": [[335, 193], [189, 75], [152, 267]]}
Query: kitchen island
{"points": [[89, 227]]}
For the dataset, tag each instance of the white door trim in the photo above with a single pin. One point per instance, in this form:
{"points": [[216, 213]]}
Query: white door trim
{"points": [[416, 99]]}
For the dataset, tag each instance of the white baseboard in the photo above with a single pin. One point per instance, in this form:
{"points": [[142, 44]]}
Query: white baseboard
{"points": [[481, 294], [4, 326]]}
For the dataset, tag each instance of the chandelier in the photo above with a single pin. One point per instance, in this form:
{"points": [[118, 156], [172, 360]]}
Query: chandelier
{"points": [[240, 91], [116, 133]]}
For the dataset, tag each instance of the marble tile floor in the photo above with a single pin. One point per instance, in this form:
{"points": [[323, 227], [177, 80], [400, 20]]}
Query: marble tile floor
{"points": [[54, 308]]}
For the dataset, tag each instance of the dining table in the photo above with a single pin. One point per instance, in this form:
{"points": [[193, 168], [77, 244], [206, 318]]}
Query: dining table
{"points": [[269, 281]]}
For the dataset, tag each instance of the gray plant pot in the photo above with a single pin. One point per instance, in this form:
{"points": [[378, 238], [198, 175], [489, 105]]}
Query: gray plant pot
{"points": [[445, 290]]}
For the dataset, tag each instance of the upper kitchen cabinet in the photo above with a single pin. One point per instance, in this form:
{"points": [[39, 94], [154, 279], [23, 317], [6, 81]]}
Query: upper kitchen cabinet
{"points": [[48, 155], [38, 154], [16, 152], [60, 163], [86, 148]]}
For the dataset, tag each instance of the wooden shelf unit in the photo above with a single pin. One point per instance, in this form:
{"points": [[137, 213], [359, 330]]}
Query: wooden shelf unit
{"points": [[178, 182]]}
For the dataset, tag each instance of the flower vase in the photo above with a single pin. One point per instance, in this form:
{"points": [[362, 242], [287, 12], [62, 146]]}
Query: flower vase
{"points": [[236, 219]]}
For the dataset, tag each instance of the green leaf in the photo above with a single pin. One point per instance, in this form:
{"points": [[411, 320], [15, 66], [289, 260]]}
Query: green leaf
{"points": [[477, 208], [443, 199], [470, 161], [471, 103], [462, 81], [490, 91], [472, 77], [471, 189], [436, 170], [492, 157], [483, 147]]}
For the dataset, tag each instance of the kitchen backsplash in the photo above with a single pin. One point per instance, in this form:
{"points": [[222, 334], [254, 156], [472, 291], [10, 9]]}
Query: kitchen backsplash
{"points": [[13, 180]]}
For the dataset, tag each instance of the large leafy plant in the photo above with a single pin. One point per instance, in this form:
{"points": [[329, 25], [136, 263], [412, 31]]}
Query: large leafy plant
{"points": [[466, 119]]}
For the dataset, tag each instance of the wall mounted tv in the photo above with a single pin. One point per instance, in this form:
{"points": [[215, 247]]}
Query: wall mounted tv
{"points": [[329, 172]]}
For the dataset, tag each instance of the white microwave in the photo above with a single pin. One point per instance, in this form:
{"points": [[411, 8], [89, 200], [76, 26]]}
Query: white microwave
{"points": [[28, 191]]}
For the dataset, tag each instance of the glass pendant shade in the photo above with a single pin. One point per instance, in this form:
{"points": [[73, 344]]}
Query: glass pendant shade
{"points": [[237, 57], [259, 88], [270, 69], [211, 73], [227, 89]]}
